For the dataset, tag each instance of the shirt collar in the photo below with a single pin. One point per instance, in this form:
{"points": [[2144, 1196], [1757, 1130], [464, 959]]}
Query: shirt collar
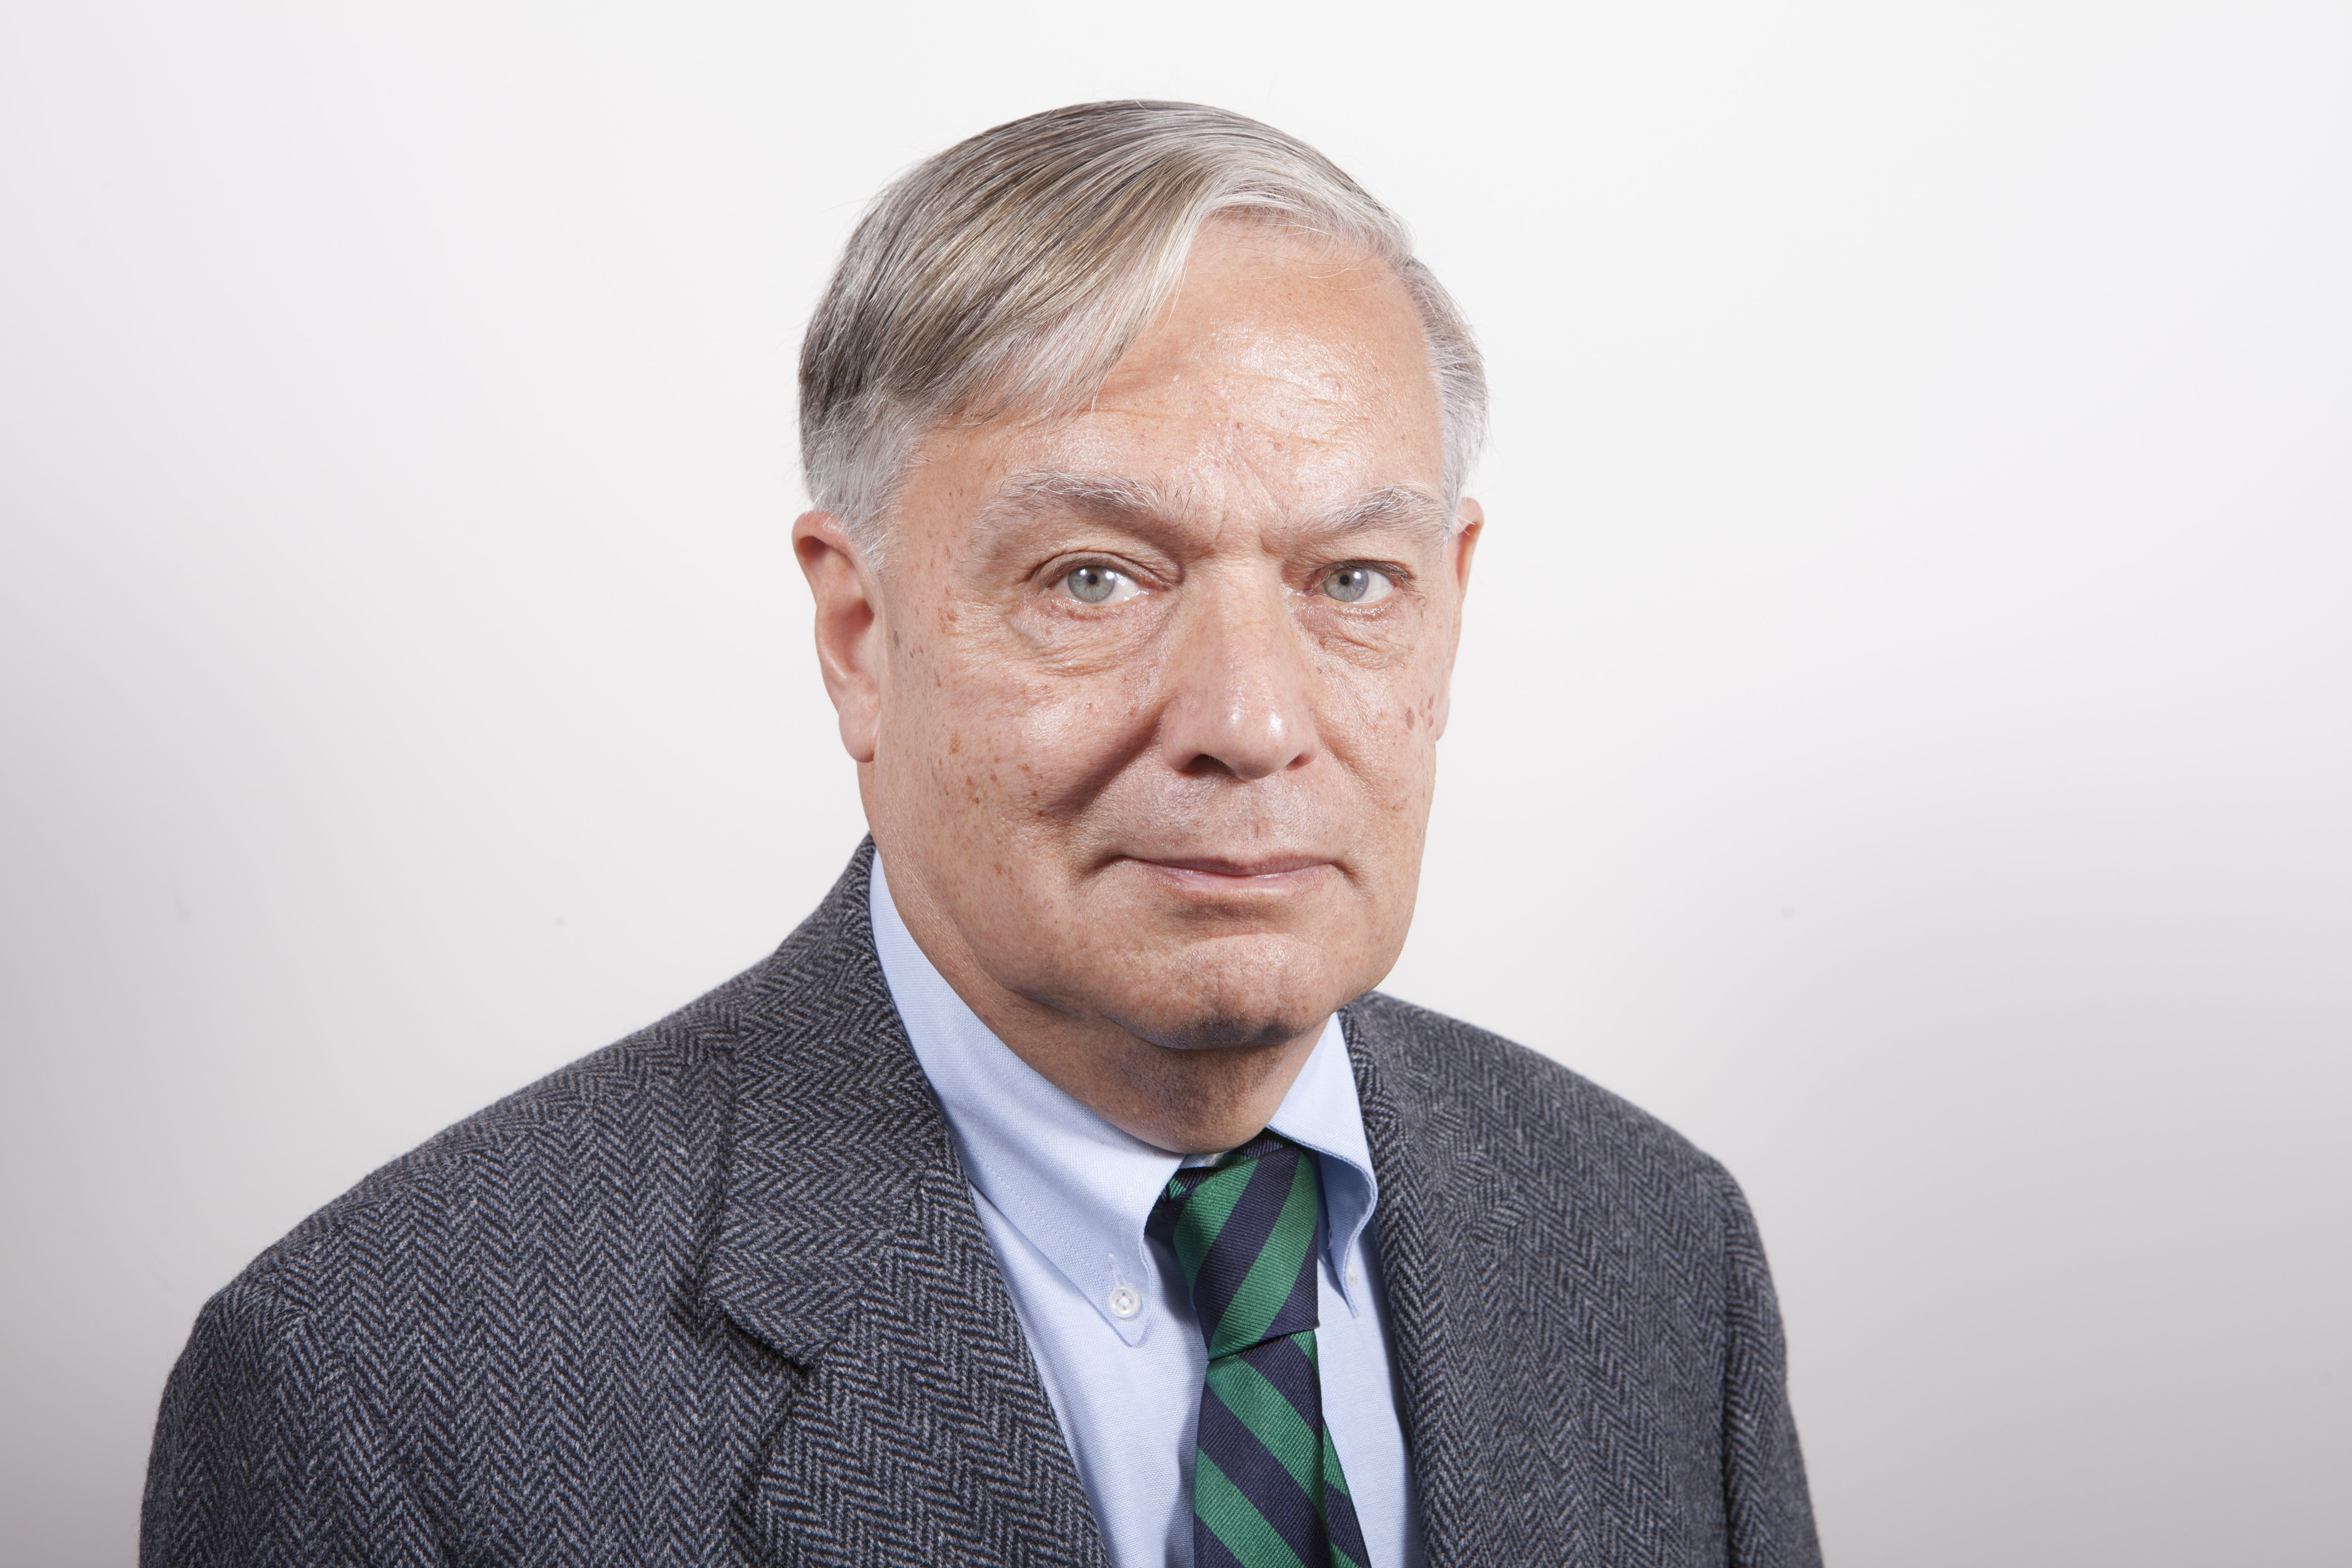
{"points": [[1076, 1187]]}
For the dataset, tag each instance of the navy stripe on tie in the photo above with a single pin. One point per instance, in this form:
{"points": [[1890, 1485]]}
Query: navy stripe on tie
{"points": [[1339, 1521], [1244, 1236], [1283, 1362], [1261, 1479]]}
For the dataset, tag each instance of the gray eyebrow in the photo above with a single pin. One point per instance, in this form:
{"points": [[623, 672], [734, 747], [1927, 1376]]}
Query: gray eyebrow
{"points": [[1101, 495], [1411, 507], [1392, 505]]}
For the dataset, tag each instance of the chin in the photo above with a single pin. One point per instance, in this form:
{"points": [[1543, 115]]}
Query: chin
{"points": [[1236, 995]]}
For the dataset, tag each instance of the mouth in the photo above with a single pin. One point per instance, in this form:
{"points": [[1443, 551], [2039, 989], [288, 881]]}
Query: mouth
{"points": [[1223, 873]]}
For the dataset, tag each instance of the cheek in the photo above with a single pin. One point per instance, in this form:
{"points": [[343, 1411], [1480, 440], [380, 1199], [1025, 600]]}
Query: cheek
{"points": [[1392, 711], [1424, 691], [1379, 738], [993, 732]]}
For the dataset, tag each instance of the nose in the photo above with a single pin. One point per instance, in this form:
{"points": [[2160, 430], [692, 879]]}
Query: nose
{"points": [[1239, 693]]}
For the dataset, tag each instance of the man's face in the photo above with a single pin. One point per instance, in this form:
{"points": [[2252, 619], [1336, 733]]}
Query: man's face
{"points": [[1157, 687]]}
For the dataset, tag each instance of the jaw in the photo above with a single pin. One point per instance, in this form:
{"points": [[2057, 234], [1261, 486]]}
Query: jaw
{"points": [[1190, 991]]}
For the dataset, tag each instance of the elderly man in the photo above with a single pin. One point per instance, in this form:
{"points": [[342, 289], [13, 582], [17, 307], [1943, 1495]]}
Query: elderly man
{"points": [[1060, 1192]]}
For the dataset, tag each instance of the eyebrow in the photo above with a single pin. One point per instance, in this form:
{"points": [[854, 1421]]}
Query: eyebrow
{"points": [[1113, 500], [1409, 506], [1132, 502]]}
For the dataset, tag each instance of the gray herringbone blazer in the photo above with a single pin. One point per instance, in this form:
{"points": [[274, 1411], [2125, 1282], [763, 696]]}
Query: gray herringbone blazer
{"points": [[718, 1295]]}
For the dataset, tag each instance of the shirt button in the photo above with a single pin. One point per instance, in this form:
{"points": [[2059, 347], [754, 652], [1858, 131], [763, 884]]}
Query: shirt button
{"points": [[1125, 1302]]}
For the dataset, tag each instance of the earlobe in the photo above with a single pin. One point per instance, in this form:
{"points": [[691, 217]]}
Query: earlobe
{"points": [[848, 627]]}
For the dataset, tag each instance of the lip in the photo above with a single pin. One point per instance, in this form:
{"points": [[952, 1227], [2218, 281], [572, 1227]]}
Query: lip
{"points": [[1260, 869]]}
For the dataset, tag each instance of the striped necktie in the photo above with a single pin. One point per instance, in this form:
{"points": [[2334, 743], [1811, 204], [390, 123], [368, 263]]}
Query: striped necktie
{"points": [[1267, 1487]]}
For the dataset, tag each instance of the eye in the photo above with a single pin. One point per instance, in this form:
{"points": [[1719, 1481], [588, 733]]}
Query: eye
{"points": [[1357, 584], [1097, 585]]}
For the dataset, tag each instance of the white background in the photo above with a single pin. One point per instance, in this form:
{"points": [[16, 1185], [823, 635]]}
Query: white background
{"points": [[1904, 735]]}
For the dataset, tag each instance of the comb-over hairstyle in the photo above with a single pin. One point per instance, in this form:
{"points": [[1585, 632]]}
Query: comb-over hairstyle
{"points": [[1012, 271]]}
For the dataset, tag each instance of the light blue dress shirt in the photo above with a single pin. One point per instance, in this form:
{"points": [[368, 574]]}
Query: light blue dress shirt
{"points": [[1064, 1195]]}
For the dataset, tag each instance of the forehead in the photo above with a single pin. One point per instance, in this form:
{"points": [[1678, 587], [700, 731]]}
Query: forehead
{"points": [[1283, 375]]}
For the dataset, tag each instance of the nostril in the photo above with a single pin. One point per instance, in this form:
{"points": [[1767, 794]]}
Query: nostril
{"points": [[1238, 703]]}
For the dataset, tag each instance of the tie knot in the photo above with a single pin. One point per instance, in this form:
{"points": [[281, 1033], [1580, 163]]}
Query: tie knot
{"points": [[1244, 1232]]}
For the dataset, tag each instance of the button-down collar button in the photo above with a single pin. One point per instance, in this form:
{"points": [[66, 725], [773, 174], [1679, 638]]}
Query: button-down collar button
{"points": [[1125, 1302]]}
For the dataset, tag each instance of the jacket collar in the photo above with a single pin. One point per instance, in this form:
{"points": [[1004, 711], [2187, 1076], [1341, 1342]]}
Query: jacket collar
{"points": [[1433, 1173], [832, 1137], [846, 1241]]}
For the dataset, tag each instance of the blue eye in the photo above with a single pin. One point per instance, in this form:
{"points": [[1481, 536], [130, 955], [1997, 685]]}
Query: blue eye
{"points": [[1357, 586], [1096, 585]]}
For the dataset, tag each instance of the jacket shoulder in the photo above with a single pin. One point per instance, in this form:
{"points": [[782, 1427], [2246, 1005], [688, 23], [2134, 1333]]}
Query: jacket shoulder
{"points": [[628, 1109], [1602, 1276], [509, 1336], [638, 1120], [1514, 1100]]}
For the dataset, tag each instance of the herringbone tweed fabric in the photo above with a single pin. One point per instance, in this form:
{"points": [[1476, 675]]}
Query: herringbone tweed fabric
{"points": [[718, 1295]]}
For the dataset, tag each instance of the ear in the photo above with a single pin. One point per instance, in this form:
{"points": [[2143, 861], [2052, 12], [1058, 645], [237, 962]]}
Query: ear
{"points": [[849, 632], [1470, 522]]}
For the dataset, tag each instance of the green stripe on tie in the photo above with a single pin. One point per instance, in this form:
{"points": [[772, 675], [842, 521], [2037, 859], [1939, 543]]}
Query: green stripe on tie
{"points": [[1235, 1520], [1205, 1213], [1261, 1407], [1332, 1472], [1267, 1284]]}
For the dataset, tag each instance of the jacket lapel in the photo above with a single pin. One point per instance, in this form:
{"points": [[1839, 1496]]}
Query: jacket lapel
{"points": [[1437, 1265], [916, 1429]]}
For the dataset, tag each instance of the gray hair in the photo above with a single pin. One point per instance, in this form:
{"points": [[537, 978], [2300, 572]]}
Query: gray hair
{"points": [[1013, 271]]}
